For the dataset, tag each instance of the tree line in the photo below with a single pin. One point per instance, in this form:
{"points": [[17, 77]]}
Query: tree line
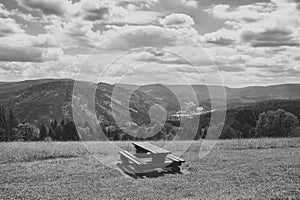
{"points": [[243, 122], [13, 130], [240, 123]]}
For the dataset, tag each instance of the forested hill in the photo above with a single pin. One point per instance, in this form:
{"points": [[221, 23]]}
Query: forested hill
{"points": [[47, 104], [242, 121], [52, 99], [235, 96], [47, 99]]}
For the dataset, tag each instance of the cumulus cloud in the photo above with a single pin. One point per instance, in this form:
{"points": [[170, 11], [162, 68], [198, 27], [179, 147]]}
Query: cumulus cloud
{"points": [[132, 11], [24, 40], [177, 20], [259, 17], [116, 12], [86, 16], [74, 33], [281, 71], [240, 39], [129, 37], [233, 59], [271, 38], [288, 73], [92, 10], [297, 2], [27, 54], [28, 48], [266, 35], [3, 11], [9, 26], [231, 68], [177, 55], [221, 37], [50, 7], [276, 60], [139, 17], [13, 69], [44, 41], [159, 56], [96, 14], [65, 67], [246, 13], [190, 3], [141, 4]]}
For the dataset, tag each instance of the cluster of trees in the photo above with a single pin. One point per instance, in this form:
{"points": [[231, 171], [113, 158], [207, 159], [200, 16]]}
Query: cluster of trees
{"points": [[12, 130], [59, 131], [238, 124], [244, 124], [166, 132], [275, 124]]}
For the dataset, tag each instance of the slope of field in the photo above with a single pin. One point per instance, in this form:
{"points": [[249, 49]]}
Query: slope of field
{"points": [[235, 169]]}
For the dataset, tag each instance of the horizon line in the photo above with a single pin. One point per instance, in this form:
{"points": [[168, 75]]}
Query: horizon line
{"points": [[155, 83]]}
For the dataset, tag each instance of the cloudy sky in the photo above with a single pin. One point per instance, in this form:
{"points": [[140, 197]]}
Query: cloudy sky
{"points": [[242, 42]]}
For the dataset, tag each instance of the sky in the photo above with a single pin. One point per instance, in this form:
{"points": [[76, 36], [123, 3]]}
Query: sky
{"points": [[237, 43]]}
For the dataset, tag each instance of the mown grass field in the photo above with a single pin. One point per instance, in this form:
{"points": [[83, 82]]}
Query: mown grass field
{"points": [[234, 169]]}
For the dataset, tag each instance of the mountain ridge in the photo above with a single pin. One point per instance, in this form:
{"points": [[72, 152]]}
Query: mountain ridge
{"points": [[45, 99]]}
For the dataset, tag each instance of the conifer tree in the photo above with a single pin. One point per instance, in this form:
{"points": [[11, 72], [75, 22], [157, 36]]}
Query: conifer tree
{"points": [[43, 132], [12, 125], [3, 125]]}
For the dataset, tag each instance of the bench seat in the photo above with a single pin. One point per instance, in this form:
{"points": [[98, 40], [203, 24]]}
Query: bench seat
{"points": [[175, 158], [135, 160]]}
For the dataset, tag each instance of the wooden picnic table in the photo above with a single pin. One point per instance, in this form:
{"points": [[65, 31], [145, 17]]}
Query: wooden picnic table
{"points": [[159, 158], [144, 147], [158, 154]]}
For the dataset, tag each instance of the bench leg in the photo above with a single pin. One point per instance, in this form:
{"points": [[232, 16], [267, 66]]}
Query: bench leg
{"points": [[174, 167]]}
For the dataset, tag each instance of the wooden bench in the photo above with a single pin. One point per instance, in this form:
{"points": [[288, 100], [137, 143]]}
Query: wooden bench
{"points": [[176, 163], [126, 157], [175, 159], [149, 157]]}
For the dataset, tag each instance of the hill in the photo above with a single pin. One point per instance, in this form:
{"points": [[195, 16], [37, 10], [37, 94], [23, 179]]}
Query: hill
{"points": [[240, 121], [52, 99], [234, 96], [45, 99]]}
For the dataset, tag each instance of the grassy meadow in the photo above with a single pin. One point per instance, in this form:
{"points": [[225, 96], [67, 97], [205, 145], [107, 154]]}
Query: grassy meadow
{"points": [[234, 169]]}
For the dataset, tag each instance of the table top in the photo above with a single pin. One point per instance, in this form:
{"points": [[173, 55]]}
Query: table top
{"points": [[151, 148]]}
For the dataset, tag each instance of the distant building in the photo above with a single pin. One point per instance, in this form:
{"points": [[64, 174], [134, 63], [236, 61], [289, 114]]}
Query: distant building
{"points": [[181, 112], [199, 109]]}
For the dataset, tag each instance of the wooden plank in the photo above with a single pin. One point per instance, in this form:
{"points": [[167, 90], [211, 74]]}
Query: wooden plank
{"points": [[143, 155], [174, 158], [151, 148], [134, 158], [131, 157]]}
